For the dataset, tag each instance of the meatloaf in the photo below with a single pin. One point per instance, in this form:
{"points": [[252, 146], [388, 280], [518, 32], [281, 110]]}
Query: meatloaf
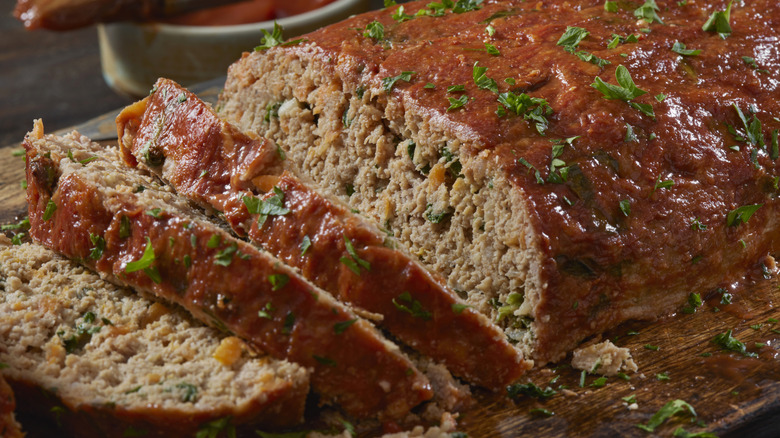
{"points": [[566, 165], [106, 361], [177, 136], [84, 204]]}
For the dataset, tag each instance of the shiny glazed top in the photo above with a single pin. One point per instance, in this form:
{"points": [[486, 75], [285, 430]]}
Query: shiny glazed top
{"points": [[648, 205]]}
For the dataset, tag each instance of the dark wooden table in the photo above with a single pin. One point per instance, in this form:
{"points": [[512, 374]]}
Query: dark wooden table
{"points": [[50, 75]]}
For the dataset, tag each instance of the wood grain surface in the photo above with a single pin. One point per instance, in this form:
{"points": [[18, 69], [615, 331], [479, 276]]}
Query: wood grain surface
{"points": [[733, 395]]}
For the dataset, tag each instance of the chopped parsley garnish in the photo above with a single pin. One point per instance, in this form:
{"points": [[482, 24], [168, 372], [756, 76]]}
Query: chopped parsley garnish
{"points": [[189, 392], [457, 103], [429, 86], [660, 97], [599, 382], [752, 128], [630, 135], [375, 30], [481, 80], [490, 30], [610, 6], [214, 241], [271, 206], [492, 50], [456, 88], [533, 109], [617, 39], [436, 217], [571, 38], [651, 347], [265, 311], [741, 215], [48, 212], [340, 327], [670, 409], [694, 302], [626, 90], [389, 83], [145, 261], [682, 433], [631, 399], [225, 257], [663, 377], [531, 168], [400, 16], [405, 300], [661, 184], [752, 64], [648, 12], [155, 213], [459, 308], [324, 360], [466, 6], [278, 281], [529, 389], [680, 49], [730, 343], [719, 22], [289, 323], [24, 224], [542, 412], [305, 245], [216, 428], [275, 39], [697, 225], [353, 262], [625, 207], [100, 245]]}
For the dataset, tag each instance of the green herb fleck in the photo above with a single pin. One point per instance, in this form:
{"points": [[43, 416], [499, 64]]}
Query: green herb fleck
{"points": [[457, 103], [375, 30], [651, 347], [670, 409], [416, 310], [190, 392], [648, 12], [278, 281], [340, 327], [305, 245], [529, 389], [51, 207], [741, 215], [99, 246], [719, 22], [389, 83], [730, 343], [680, 49]]}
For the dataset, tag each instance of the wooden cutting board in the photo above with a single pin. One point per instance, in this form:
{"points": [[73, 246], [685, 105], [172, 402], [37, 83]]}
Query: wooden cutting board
{"points": [[732, 395]]}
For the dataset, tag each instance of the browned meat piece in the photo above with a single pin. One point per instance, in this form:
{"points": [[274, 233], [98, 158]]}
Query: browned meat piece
{"points": [[564, 200], [178, 136], [120, 223]]}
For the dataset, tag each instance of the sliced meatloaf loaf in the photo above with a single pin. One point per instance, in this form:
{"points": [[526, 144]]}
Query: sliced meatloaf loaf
{"points": [[86, 205], [112, 361], [566, 166], [178, 136]]}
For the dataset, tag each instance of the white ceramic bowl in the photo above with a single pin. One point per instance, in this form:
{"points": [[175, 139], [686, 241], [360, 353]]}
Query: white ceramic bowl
{"points": [[134, 55]]}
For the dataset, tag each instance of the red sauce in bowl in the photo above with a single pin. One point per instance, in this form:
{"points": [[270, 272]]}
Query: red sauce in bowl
{"points": [[251, 11]]}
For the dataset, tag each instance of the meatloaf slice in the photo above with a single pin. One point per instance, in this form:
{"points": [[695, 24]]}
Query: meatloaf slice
{"points": [[179, 137], [86, 205], [113, 361], [492, 139]]}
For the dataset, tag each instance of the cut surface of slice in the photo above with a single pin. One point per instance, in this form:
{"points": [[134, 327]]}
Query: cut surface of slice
{"points": [[112, 360]]}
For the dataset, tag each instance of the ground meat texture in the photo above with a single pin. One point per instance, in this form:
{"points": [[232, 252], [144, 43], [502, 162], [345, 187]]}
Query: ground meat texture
{"points": [[336, 249], [222, 281], [649, 205]]}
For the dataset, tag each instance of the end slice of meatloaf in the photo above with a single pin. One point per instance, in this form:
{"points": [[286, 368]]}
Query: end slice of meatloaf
{"points": [[177, 136], [112, 361], [566, 167], [117, 221]]}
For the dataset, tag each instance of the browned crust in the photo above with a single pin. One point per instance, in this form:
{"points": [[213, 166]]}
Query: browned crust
{"points": [[355, 368], [213, 163]]}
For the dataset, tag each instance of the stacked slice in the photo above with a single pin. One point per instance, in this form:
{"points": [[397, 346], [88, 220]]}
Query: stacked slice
{"points": [[117, 221]]}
